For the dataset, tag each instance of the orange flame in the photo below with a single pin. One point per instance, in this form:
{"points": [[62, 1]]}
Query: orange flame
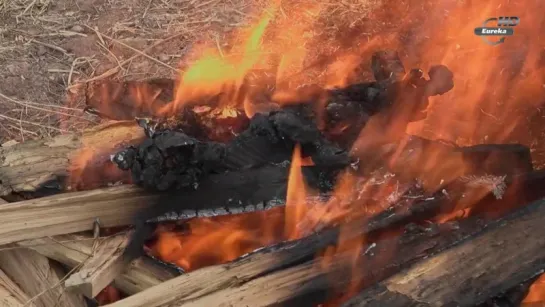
{"points": [[218, 240], [536, 293], [296, 197], [494, 89], [90, 165], [214, 73]]}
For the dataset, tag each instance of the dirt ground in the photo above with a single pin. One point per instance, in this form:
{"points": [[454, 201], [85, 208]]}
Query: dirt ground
{"points": [[49, 47]]}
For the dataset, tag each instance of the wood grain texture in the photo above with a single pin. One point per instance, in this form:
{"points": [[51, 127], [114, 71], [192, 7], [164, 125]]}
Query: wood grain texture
{"points": [[11, 294], [99, 270], [74, 249], [70, 212], [461, 264], [26, 166], [506, 253], [37, 275]]}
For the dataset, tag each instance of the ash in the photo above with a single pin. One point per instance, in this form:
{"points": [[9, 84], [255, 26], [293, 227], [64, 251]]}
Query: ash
{"points": [[494, 184]]}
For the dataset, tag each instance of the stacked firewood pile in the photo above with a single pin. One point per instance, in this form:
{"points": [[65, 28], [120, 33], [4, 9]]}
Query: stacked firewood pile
{"points": [[74, 248]]}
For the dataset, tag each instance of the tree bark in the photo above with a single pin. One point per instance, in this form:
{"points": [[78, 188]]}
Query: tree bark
{"points": [[28, 166]]}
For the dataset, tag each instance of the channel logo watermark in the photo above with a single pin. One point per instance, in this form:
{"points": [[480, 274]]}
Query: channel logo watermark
{"points": [[504, 26]]}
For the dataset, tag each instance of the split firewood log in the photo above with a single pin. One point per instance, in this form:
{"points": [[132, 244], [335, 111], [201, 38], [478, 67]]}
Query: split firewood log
{"points": [[32, 165]]}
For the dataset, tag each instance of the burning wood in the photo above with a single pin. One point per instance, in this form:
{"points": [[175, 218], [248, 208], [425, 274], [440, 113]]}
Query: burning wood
{"points": [[314, 281], [473, 271], [329, 170], [29, 166], [268, 187]]}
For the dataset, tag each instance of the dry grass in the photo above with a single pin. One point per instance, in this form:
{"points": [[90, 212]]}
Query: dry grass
{"points": [[48, 48]]}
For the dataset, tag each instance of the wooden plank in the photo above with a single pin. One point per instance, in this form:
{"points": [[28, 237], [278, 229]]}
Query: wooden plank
{"points": [[498, 255], [215, 279], [71, 212], [74, 249], [508, 252], [26, 166], [101, 268]]}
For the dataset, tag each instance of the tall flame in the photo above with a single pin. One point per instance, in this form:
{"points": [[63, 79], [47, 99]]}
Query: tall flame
{"points": [[495, 90]]}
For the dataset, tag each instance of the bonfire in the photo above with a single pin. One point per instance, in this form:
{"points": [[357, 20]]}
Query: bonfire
{"points": [[393, 160]]}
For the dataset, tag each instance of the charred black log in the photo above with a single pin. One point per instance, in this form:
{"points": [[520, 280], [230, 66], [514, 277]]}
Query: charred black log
{"points": [[498, 159], [246, 174], [231, 192], [397, 97], [173, 159]]}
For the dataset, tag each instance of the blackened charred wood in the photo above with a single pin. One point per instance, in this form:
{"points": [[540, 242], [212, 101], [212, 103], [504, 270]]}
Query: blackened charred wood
{"points": [[396, 97], [480, 267], [387, 65], [292, 265], [478, 160], [231, 192], [259, 263], [512, 297], [497, 159], [172, 159]]}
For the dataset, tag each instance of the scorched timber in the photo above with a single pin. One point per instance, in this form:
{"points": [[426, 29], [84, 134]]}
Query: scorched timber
{"points": [[264, 277], [286, 273], [508, 252]]}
